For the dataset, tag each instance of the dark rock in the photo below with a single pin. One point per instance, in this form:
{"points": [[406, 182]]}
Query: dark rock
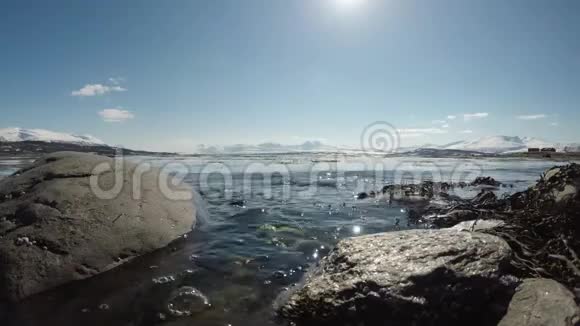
{"points": [[238, 203], [419, 277], [72, 233], [518, 201], [485, 181], [362, 195], [558, 189], [543, 226], [387, 188], [542, 302], [485, 198]]}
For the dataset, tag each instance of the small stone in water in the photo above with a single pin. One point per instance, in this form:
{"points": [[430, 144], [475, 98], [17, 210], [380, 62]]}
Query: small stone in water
{"points": [[104, 306]]}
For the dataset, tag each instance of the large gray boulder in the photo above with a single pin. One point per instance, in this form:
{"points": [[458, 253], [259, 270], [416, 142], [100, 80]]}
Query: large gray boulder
{"points": [[542, 302], [54, 228], [417, 277]]}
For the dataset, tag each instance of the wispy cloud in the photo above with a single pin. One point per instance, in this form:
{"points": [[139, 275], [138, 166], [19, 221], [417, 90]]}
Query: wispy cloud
{"points": [[451, 117], [532, 117], [113, 85], [97, 89], [467, 131], [116, 80], [116, 115], [438, 122], [473, 116], [445, 125], [554, 124]]}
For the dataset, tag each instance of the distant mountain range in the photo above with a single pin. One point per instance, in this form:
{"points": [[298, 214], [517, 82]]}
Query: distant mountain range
{"points": [[485, 145], [308, 146], [38, 140], [33, 142], [20, 135]]}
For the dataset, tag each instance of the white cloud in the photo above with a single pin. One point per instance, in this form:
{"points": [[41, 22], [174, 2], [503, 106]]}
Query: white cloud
{"points": [[451, 117], [438, 122], [445, 125], [532, 117], [97, 89], [116, 115], [554, 124], [467, 131], [472, 116]]}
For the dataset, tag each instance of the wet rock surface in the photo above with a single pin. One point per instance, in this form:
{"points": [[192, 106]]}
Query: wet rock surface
{"points": [[543, 227], [539, 302], [541, 224], [426, 277], [54, 229], [485, 181]]}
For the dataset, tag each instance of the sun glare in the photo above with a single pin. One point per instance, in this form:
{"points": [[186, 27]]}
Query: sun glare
{"points": [[349, 4]]}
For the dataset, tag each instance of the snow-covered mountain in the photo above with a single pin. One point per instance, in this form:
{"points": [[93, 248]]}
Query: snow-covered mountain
{"points": [[501, 144], [21, 134]]}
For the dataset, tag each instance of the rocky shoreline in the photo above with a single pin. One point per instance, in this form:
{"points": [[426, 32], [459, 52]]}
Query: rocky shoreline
{"points": [[480, 261], [507, 261]]}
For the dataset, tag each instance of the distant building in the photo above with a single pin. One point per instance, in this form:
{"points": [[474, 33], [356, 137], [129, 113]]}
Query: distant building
{"points": [[549, 149], [533, 150]]}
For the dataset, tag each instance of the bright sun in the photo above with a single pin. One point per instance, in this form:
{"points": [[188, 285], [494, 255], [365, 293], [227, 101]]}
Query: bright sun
{"points": [[349, 4]]}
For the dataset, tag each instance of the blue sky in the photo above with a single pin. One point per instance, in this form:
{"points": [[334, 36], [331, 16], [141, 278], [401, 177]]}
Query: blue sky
{"points": [[174, 74]]}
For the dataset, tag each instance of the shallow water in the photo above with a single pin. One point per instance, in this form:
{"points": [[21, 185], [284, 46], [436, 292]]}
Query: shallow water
{"points": [[256, 238]]}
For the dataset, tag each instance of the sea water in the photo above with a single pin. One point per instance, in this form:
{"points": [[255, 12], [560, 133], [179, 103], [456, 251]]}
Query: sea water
{"points": [[267, 220]]}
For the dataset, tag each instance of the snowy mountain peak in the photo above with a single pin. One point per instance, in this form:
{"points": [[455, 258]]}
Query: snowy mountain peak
{"points": [[500, 144], [21, 134]]}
